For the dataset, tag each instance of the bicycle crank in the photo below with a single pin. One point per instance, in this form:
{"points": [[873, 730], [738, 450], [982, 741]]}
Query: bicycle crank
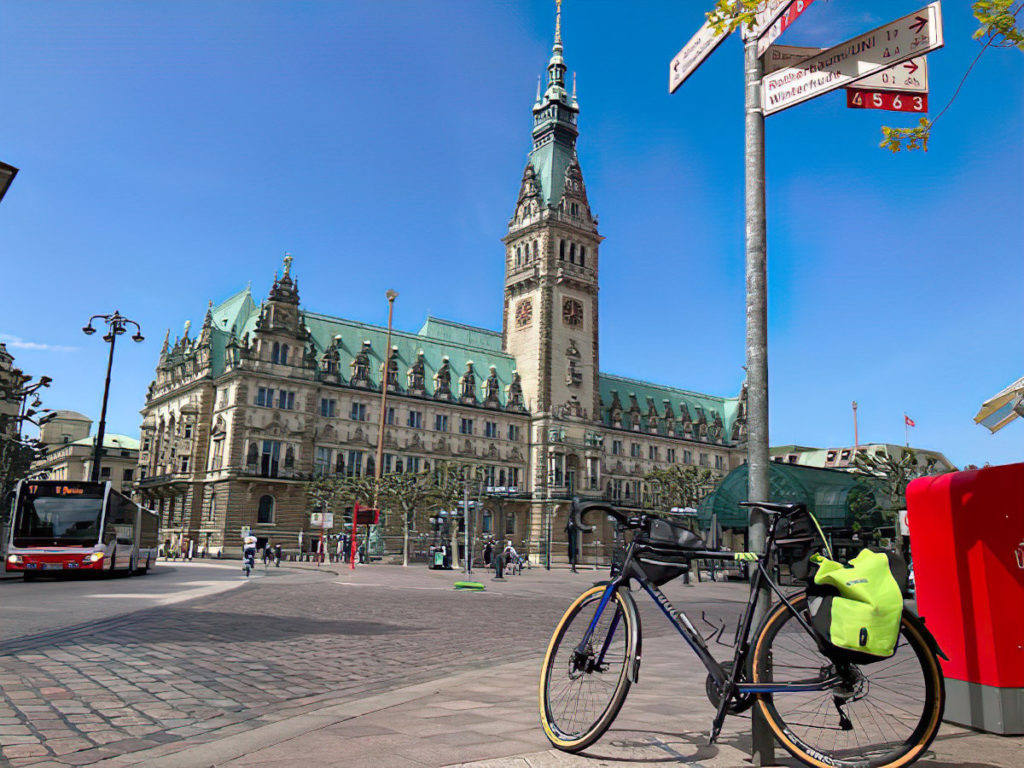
{"points": [[740, 703]]}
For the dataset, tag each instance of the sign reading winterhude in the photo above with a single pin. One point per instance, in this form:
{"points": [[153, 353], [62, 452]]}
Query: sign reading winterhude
{"points": [[853, 60]]}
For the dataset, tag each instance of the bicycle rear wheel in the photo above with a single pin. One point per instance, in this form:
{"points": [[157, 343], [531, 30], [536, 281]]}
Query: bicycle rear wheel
{"points": [[583, 688], [882, 715]]}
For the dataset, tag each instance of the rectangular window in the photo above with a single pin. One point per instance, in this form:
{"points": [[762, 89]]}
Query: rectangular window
{"points": [[389, 419], [441, 422], [513, 432], [705, 460], [416, 419], [327, 407], [466, 426], [354, 467], [146, 444], [490, 429], [687, 457], [359, 411], [128, 475], [652, 452], [513, 477], [510, 523], [490, 473], [412, 464], [286, 401], [188, 431], [265, 397], [270, 459], [670, 454], [634, 450], [184, 463], [718, 462], [388, 464], [322, 462], [218, 454], [485, 521], [617, 447]]}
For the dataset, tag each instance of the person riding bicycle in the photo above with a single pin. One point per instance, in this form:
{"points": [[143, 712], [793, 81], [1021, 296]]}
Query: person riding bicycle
{"points": [[511, 556]]}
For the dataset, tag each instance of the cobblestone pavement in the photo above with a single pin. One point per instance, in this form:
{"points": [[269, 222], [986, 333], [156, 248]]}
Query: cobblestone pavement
{"points": [[285, 644]]}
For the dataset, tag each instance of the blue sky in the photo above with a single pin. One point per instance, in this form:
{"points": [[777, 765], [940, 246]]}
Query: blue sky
{"points": [[170, 152]]}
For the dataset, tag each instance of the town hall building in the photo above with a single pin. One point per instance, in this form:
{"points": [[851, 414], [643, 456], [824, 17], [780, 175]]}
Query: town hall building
{"points": [[267, 395]]}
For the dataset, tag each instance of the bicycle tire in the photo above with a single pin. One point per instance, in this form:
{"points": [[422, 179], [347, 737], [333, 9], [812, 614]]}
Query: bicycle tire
{"points": [[913, 646], [555, 726]]}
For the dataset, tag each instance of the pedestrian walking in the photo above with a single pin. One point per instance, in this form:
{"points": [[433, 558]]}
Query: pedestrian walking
{"points": [[488, 552], [277, 555]]}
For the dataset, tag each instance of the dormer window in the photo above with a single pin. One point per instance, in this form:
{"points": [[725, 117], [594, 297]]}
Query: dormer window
{"points": [[279, 353]]}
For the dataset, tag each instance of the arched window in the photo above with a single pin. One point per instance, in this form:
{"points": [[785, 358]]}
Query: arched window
{"points": [[370, 464], [284, 354], [275, 352], [534, 250], [561, 250], [583, 255], [266, 510], [572, 253], [519, 255]]}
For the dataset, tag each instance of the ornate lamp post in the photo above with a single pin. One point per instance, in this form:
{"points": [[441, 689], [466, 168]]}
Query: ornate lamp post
{"points": [[117, 324], [377, 467]]}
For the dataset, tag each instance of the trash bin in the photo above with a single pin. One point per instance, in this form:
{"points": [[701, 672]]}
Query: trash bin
{"points": [[967, 541], [439, 559]]}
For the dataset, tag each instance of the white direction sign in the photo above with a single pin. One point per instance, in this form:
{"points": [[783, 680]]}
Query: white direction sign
{"points": [[861, 57], [693, 54], [909, 76], [775, 18]]}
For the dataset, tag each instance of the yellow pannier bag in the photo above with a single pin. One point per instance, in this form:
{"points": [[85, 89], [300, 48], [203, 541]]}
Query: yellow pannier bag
{"points": [[857, 607]]}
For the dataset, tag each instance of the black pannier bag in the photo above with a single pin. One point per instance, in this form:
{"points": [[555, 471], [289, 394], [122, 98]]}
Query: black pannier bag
{"points": [[797, 537], [668, 544]]}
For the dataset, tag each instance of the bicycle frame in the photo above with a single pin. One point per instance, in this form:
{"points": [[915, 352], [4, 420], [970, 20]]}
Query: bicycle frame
{"points": [[678, 619]]}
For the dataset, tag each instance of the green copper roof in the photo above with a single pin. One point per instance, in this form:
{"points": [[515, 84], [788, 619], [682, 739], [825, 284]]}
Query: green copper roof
{"points": [[696, 403], [464, 335], [550, 162]]}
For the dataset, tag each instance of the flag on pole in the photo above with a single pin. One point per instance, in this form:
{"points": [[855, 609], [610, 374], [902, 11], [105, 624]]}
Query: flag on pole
{"points": [[909, 421]]}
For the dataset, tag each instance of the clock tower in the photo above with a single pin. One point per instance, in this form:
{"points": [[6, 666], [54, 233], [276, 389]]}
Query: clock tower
{"points": [[550, 319]]}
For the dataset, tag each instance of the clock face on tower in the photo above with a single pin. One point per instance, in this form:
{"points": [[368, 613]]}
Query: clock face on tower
{"points": [[572, 313], [524, 313]]}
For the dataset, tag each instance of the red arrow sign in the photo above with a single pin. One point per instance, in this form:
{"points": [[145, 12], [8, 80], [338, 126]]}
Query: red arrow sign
{"points": [[919, 22], [912, 66]]}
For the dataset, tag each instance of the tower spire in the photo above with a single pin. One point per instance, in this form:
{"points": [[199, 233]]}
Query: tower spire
{"points": [[558, 24]]}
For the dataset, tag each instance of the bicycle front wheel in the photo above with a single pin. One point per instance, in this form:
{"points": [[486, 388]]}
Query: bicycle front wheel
{"points": [[583, 685], [880, 715]]}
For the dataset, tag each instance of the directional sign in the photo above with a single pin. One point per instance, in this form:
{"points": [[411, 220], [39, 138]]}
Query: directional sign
{"points": [[894, 101], [777, 20], [693, 54], [853, 60], [909, 77]]}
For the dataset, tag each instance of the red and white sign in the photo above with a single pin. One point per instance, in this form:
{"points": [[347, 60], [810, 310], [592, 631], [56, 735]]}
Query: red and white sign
{"points": [[692, 55], [854, 60], [894, 101], [776, 18], [909, 77]]}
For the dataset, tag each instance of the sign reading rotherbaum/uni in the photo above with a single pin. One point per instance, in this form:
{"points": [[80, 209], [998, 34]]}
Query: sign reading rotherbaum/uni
{"points": [[861, 57]]}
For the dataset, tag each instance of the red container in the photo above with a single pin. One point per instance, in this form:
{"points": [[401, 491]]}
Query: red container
{"points": [[967, 541]]}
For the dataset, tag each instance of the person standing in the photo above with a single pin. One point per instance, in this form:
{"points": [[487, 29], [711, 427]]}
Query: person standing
{"points": [[277, 555], [488, 552], [572, 535]]}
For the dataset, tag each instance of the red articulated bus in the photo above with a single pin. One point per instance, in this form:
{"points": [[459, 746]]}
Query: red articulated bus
{"points": [[61, 526]]}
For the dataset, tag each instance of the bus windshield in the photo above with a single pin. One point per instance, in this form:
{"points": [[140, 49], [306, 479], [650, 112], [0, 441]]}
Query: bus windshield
{"points": [[57, 521]]}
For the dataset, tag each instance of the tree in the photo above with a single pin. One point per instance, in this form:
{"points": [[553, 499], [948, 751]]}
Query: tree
{"points": [[891, 476], [448, 484], [334, 493], [16, 457], [998, 29], [405, 493], [681, 486]]}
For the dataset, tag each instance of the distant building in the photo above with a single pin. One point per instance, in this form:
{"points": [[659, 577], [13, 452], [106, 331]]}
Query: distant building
{"points": [[10, 382], [68, 451], [842, 458]]}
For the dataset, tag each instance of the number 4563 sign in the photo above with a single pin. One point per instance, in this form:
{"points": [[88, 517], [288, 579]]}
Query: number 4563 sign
{"points": [[862, 98]]}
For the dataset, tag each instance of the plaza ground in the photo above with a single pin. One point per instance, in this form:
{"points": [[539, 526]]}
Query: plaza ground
{"points": [[384, 666]]}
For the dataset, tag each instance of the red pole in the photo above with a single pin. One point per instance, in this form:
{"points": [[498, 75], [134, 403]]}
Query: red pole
{"points": [[352, 553]]}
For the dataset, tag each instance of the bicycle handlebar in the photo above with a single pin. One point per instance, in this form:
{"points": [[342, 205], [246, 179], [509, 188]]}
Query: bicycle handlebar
{"points": [[579, 509]]}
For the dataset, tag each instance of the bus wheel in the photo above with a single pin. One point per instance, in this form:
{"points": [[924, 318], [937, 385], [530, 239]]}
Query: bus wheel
{"points": [[29, 576]]}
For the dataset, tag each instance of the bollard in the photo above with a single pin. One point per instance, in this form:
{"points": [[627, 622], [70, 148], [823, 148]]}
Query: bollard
{"points": [[499, 566]]}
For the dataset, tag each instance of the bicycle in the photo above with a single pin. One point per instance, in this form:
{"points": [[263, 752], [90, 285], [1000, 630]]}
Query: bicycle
{"points": [[248, 562], [823, 708]]}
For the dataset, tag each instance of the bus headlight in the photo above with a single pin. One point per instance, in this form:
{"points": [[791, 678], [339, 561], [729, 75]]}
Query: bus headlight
{"points": [[15, 559], [95, 557]]}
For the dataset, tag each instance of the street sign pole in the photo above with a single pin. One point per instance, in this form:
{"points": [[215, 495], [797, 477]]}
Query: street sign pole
{"points": [[465, 526], [762, 741]]}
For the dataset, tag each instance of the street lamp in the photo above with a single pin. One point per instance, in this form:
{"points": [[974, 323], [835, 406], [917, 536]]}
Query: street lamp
{"points": [[117, 324], [7, 174], [391, 296]]}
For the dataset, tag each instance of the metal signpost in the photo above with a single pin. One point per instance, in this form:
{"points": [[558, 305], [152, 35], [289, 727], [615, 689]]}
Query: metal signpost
{"points": [[796, 82], [844, 64], [775, 18]]}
